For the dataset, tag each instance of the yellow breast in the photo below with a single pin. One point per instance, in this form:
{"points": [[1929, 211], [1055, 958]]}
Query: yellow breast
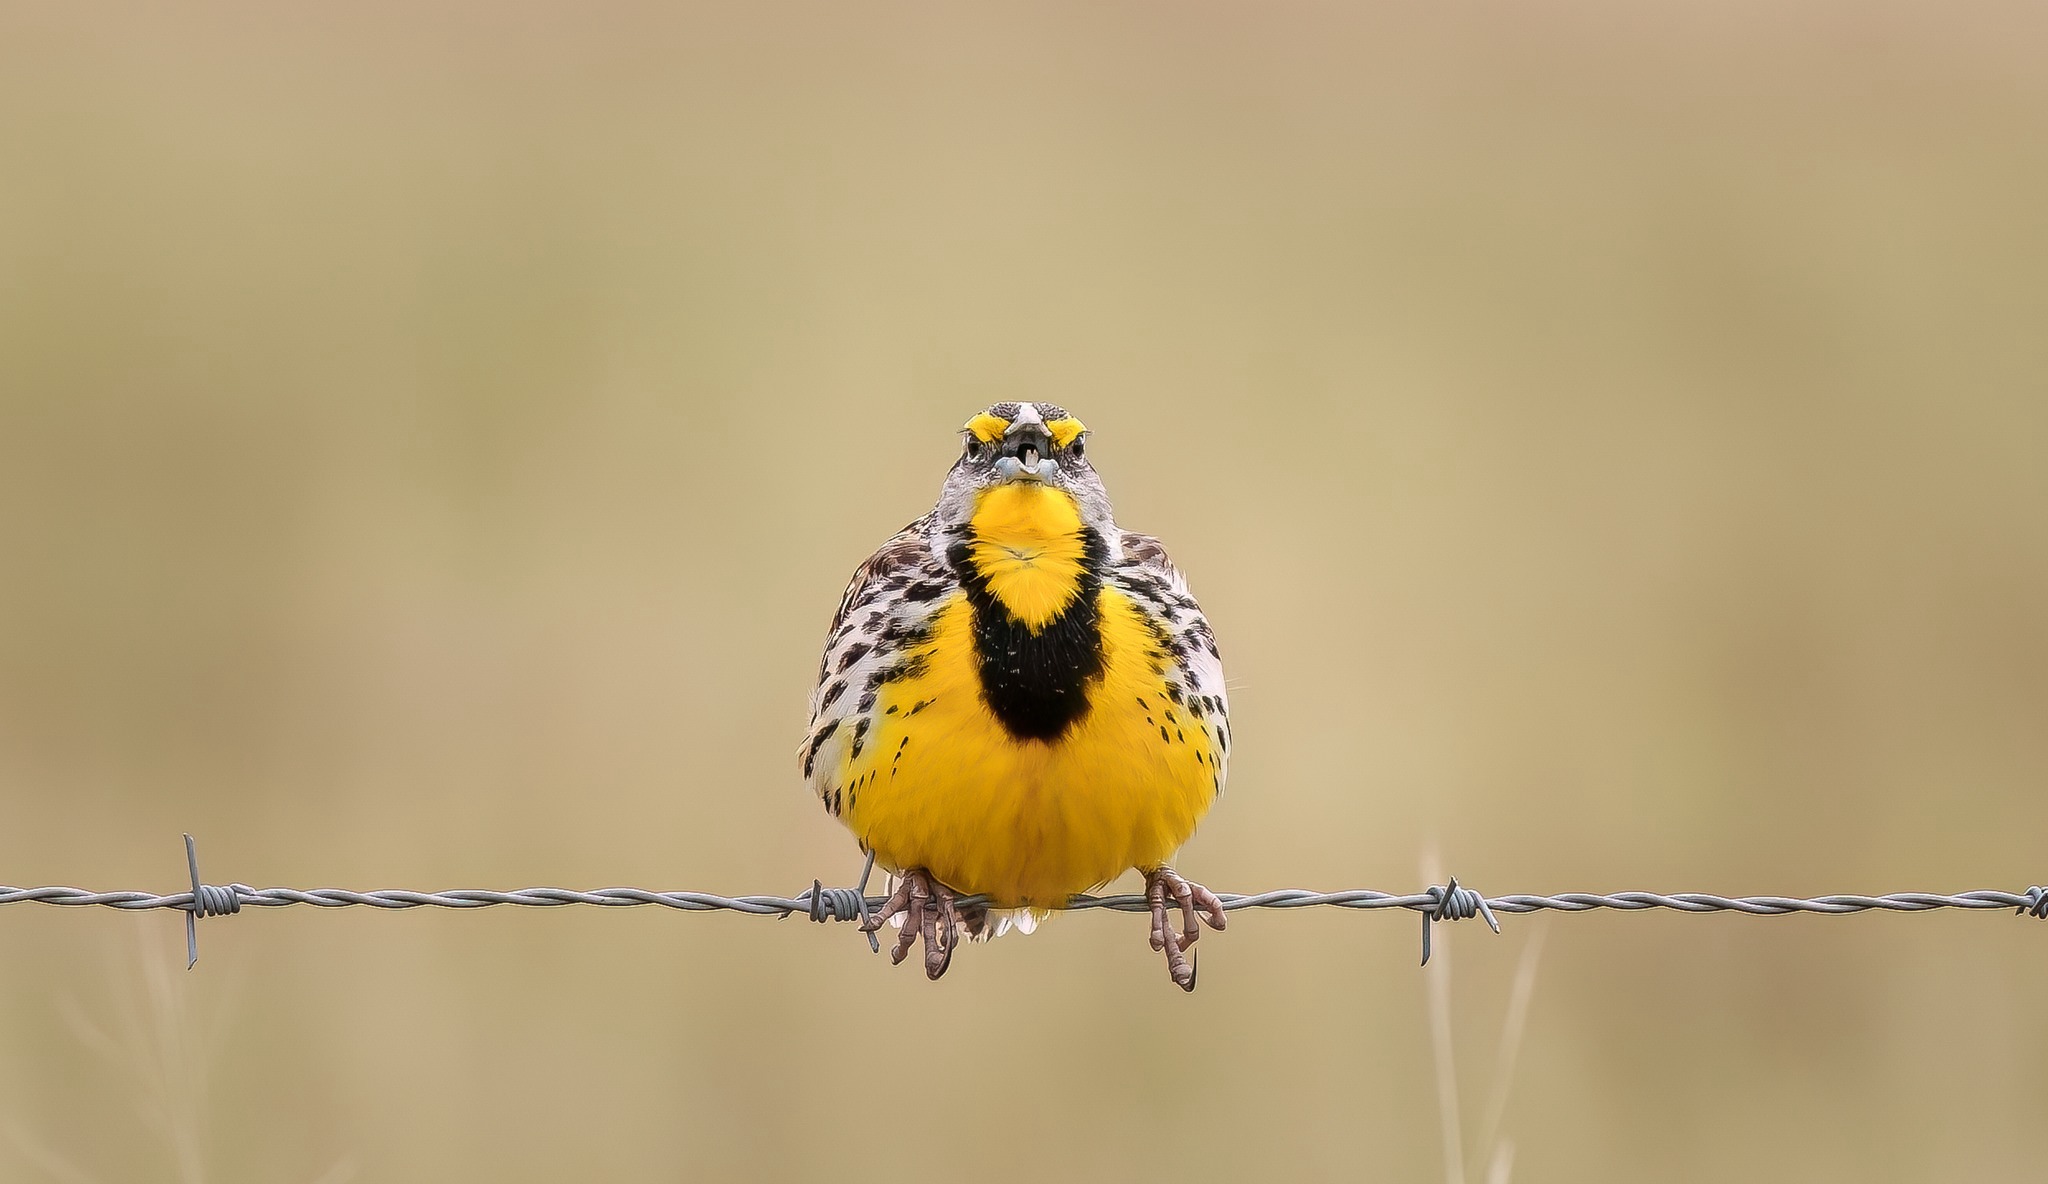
{"points": [[1028, 545], [939, 783]]}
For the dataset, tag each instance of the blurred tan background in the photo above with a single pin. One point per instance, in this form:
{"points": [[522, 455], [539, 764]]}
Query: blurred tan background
{"points": [[1611, 440]]}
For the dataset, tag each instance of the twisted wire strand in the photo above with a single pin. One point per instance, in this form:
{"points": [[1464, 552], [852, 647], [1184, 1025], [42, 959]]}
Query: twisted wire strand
{"points": [[843, 904], [1444, 902]]}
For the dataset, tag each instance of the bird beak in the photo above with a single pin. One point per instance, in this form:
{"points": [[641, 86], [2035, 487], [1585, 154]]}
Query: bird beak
{"points": [[1026, 455]]}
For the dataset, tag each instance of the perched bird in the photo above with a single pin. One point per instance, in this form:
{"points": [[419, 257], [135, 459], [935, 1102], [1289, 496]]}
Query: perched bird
{"points": [[1020, 701]]}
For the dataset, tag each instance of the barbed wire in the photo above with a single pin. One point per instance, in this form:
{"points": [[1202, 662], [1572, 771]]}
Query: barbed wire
{"points": [[1442, 902]]}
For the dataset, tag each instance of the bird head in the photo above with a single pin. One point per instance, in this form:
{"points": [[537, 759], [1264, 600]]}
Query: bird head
{"points": [[1036, 446]]}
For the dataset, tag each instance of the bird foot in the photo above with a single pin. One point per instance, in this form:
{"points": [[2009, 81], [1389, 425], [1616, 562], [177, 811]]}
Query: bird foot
{"points": [[1197, 904], [930, 911]]}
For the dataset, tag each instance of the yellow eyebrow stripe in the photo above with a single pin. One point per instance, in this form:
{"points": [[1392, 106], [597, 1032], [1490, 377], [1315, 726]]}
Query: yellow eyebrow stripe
{"points": [[1065, 431], [988, 428]]}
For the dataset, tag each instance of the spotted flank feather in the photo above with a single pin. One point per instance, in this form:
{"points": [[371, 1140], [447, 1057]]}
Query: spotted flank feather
{"points": [[887, 608], [1194, 680]]}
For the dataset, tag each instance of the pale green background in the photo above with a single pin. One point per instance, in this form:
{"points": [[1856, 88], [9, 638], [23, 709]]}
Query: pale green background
{"points": [[1611, 440]]}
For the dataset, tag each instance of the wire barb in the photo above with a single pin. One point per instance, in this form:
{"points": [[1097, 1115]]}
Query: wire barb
{"points": [[2037, 902], [843, 904], [835, 904], [207, 900], [1449, 902]]}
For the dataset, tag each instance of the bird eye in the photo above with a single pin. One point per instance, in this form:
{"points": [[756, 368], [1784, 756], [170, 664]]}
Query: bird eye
{"points": [[1076, 448], [973, 448]]}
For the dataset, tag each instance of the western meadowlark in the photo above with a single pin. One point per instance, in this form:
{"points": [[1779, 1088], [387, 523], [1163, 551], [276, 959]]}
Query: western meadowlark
{"points": [[1020, 700]]}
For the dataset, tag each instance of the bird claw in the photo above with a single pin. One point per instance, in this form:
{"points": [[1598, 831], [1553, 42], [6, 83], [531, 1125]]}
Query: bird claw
{"points": [[1197, 904], [930, 911]]}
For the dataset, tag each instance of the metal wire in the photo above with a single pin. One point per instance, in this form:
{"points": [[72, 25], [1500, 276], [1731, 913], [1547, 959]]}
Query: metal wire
{"points": [[1449, 902], [2033, 900], [1452, 904]]}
